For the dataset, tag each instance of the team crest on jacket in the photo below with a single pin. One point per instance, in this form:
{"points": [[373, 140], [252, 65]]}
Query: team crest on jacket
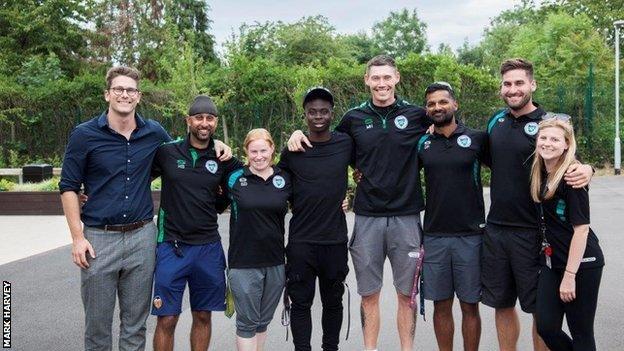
{"points": [[427, 144], [400, 122], [157, 302], [279, 182], [531, 128], [212, 166], [464, 141]]}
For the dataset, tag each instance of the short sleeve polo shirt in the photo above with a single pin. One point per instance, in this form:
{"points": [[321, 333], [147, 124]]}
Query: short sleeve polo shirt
{"points": [[567, 208], [512, 143], [257, 218], [454, 193], [385, 152], [190, 178]]}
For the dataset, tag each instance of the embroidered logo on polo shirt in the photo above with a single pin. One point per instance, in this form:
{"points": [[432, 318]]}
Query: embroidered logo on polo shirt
{"points": [[157, 302], [278, 182], [531, 128], [212, 166], [501, 120], [427, 144], [243, 181], [464, 141], [400, 122], [369, 123], [181, 164]]}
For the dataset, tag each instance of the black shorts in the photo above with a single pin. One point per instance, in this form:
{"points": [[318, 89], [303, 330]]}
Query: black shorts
{"points": [[510, 267]]}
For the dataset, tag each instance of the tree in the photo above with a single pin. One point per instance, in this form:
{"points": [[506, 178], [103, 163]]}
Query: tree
{"points": [[40, 28], [191, 17], [471, 55], [141, 32], [601, 13], [359, 46], [562, 49], [309, 40], [400, 33], [445, 49], [497, 38]]}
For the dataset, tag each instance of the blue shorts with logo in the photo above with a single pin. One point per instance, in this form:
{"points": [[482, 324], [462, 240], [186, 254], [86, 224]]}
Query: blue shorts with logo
{"points": [[202, 266]]}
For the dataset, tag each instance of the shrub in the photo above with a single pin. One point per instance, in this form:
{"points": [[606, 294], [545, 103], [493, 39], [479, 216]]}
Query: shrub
{"points": [[6, 185]]}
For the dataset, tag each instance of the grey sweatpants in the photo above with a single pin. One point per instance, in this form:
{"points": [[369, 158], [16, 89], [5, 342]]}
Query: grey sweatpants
{"points": [[124, 266]]}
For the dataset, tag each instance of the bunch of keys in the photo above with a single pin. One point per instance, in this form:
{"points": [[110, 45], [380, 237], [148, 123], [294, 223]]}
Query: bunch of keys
{"points": [[177, 250], [547, 250]]}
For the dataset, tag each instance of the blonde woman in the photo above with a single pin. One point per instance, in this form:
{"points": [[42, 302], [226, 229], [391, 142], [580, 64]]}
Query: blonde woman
{"points": [[571, 257], [259, 193]]}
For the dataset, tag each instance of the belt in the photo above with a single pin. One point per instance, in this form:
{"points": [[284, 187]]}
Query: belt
{"points": [[123, 227]]}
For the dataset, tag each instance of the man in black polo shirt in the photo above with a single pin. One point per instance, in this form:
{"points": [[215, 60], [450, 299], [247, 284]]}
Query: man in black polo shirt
{"points": [[388, 200], [317, 240], [511, 242], [189, 245], [454, 217]]}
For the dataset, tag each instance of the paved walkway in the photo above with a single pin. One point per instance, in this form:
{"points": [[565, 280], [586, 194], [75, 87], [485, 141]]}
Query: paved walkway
{"points": [[47, 312]]}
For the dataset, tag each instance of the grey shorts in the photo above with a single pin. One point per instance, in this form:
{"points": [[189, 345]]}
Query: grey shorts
{"points": [[257, 292], [374, 239], [452, 265]]}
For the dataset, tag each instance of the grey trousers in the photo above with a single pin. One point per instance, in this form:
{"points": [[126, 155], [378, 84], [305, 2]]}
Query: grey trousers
{"points": [[257, 293], [124, 267]]}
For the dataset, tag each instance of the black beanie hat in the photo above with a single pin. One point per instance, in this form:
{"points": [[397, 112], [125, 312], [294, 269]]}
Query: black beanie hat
{"points": [[202, 104]]}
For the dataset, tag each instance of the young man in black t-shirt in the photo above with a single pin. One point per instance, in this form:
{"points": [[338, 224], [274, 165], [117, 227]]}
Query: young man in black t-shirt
{"points": [[317, 240]]}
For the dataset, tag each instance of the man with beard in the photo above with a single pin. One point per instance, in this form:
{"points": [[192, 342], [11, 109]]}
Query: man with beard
{"points": [[189, 246], [511, 244], [385, 130], [317, 239], [454, 217]]}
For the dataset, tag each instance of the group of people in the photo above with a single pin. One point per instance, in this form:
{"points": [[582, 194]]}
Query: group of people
{"points": [[536, 245]]}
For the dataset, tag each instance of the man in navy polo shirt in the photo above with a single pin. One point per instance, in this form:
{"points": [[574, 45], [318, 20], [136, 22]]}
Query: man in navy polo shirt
{"points": [[111, 156]]}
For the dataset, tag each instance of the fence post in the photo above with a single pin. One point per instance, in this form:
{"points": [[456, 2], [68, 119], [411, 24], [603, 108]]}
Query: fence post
{"points": [[589, 106]]}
